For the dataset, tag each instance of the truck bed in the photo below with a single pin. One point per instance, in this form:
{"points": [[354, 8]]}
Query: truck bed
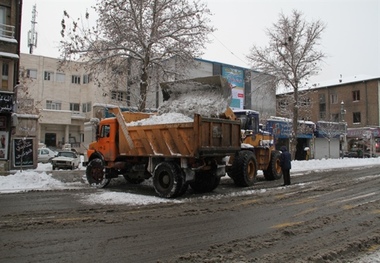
{"points": [[200, 138]]}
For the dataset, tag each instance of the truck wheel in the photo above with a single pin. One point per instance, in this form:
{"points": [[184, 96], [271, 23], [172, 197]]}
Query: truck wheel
{"points": [[168, 180], [205, 182], [95, 174], [274, 169], [244, 169], [132, 180]]}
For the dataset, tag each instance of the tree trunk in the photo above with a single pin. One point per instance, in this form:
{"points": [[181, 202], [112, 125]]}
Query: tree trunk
{"points": [[143, 89]]}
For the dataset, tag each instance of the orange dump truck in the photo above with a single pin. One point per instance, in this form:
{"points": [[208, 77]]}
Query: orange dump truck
{"points": [[176, 155]]}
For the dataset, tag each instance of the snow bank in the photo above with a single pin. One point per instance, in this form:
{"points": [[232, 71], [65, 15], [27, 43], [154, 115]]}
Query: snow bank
{"points": [[23, 181], [111, 198], [323, 164]]}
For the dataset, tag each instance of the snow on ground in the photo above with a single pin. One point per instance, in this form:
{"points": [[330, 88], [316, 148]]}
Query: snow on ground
{"points": [[41, 179]]}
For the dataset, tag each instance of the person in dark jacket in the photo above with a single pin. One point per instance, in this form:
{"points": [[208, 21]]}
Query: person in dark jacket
{"points": [[285, 163]]}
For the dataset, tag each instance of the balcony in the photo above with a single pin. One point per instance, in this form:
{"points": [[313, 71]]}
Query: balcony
{"points": [[7, 33]]}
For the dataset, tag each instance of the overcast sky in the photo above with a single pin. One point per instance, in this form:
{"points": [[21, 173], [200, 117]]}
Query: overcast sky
{"points": [[351, 39]]}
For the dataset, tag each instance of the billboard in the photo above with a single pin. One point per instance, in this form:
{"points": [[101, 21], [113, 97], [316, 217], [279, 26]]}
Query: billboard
{"points": [[236, 79]]}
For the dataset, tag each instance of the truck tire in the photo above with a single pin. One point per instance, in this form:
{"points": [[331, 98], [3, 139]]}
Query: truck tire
{"points": [[205, 182], [168, 180], [95, 174], [244, 169], [274, 169], [132, 180]]}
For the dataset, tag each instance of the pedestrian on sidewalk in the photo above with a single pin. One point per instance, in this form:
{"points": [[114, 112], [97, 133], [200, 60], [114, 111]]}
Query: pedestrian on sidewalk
{"points": [[285, 163]]}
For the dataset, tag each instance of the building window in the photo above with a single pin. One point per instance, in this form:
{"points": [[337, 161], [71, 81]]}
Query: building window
{"points": [[75, 79], [60, 77], [31, 73], [48, 75], [304, 101], [356, 95], [6, 29], [283, 104], [53, 105], [356, 117], [334, 98], [86, 78], [5, 71], [322, 106], [74, 106], [118, 95], [86, 107]]}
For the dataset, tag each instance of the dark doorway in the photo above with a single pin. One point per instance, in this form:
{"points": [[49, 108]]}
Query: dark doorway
{"points": [[300, 152], [51, 139]]}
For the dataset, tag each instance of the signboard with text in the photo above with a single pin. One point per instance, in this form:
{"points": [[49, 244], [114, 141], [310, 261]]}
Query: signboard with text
{"points": [[23, 152]]}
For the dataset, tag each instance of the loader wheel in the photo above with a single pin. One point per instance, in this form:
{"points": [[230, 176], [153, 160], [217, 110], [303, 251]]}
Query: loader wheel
{"points": [[95, 174], [169, 180], [244, 169], [274, 171], [205, 182], [132, 180]]}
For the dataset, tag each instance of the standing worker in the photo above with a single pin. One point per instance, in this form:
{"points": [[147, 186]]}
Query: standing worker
{"points": [[285, 163]]}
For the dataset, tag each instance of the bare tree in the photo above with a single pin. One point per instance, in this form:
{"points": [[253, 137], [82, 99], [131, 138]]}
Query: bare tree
{"points": [[140, 35], [291, 57], [27, 115]]}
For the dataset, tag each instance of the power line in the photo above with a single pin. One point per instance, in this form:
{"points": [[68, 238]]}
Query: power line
{"points": [[229, 50]]}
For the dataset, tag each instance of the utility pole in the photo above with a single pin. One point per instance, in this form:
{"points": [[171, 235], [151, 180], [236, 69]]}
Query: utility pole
{"points": [[32, 34]]}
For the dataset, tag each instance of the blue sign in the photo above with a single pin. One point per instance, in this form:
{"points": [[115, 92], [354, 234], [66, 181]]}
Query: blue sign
{"points": [[283, 129]]}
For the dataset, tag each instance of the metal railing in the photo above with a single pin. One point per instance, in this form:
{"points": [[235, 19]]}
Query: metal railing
{"points": [[7, 31]]}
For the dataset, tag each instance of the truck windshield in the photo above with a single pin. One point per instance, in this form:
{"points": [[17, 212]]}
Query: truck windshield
{"points": [[248, 123]]}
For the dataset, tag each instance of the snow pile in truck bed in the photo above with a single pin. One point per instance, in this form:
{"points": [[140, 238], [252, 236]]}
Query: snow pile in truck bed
{"points": [[165, 118], [192, 97]]}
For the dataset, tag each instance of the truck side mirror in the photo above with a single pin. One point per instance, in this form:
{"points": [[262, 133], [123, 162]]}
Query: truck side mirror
{"points": [[97, 132]]}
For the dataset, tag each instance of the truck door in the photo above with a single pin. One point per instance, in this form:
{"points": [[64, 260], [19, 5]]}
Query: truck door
{"points": [[106, 142]]}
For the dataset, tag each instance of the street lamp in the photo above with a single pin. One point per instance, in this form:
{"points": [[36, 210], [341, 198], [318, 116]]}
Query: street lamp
{"points": [[342, 113]]}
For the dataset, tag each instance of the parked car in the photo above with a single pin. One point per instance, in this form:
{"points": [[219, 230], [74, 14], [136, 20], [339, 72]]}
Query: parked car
{"points": [[66, 160], [45, 155]]}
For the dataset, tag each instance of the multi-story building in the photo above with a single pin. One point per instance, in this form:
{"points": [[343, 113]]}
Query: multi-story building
{"points": [[354, 101], [63, 97], [10, 28]]}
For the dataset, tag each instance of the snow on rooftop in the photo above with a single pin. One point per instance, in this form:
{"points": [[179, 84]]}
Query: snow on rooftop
{"points": [[329, 83], [343, 80]]}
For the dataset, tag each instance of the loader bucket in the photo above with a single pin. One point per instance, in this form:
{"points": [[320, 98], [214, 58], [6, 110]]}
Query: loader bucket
{"points": [[207, 96]]}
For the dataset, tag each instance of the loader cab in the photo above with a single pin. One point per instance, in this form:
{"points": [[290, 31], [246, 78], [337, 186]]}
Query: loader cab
{"points": [[249, 120]]}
